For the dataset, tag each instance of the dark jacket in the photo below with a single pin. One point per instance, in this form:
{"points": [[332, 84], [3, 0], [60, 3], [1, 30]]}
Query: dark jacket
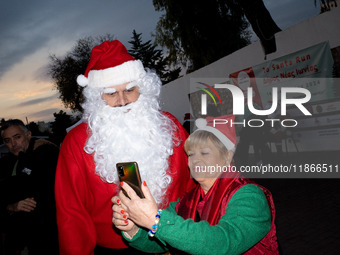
{"points": [[35, 174]]}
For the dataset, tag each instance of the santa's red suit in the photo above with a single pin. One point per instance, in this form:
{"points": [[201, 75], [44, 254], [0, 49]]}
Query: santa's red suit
{"points": [[84, 212]]}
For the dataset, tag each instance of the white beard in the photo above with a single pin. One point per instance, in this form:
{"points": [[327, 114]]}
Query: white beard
{"points": [[135, 132]]}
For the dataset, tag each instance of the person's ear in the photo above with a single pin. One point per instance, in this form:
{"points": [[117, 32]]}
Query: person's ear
{"points": [[29, 134], [229, 157]]}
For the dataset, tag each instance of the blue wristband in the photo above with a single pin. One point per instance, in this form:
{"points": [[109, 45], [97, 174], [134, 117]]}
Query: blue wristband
{"points": [[155, 226]]}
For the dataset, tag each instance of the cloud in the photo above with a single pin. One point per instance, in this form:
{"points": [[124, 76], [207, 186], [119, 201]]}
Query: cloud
{"points": [[42, 74], [36, 101], [20, 33], [27, 26], [46, 114]]}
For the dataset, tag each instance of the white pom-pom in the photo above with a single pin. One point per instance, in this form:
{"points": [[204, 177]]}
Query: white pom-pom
{"points": [[82, 80], [201, 123]]}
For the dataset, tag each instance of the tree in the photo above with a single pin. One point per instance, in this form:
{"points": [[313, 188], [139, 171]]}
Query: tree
{"points": [[34, 128], [262, 23], [61, 121], [152, 58], [326, 5], [65, 70], [2, 121], [198, 32]]}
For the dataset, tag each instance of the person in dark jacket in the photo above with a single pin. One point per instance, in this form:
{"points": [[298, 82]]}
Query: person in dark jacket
{"points": [[27, 191]]}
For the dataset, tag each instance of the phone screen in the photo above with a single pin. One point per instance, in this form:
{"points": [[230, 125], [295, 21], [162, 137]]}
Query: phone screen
{"points": [[128, 172]]}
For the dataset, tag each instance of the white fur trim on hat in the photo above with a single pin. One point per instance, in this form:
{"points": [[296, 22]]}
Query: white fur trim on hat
{"points": [[201, 124], [126, 72], [82, 80]]}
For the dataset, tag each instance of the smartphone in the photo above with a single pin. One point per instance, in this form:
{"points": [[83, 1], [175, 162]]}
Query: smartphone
{"points": [[128, 172]]}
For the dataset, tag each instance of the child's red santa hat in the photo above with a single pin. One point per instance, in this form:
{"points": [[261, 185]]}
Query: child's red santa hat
{"points": [[221, 127], [111, 64]]}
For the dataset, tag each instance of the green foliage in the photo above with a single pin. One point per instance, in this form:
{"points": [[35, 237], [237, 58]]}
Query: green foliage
{"points": [[198, 32], [152, 58], [65, 70]]}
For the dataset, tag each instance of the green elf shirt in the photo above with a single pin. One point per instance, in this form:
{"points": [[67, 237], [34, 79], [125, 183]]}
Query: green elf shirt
{"points": [[246, 221]]}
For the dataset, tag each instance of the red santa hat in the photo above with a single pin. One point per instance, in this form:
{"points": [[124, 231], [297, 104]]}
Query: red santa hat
{"points": [[110, 64], [221, 127]]}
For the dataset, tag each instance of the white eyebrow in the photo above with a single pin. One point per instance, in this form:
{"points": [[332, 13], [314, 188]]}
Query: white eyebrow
{"points": [[109, 90], [131, 85]]}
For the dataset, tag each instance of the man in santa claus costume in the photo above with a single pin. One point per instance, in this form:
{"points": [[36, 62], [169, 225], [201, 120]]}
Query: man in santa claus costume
{"points": [[121, 122]]}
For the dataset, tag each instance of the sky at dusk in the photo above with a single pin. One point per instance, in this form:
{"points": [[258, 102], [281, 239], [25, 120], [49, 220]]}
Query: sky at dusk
{"points": [[31, 31]]}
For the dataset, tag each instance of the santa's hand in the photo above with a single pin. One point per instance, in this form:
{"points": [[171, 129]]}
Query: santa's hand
{"points": [[141, 211]]}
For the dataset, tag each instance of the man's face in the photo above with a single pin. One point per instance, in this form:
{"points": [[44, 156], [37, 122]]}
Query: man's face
{"points": [[121, 95], [16, 140]]}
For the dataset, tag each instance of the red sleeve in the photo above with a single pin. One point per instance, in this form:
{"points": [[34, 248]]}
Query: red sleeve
{"points": [[178, 165], [77, 233]]}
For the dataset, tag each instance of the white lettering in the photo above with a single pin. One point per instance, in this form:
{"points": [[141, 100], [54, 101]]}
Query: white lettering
{"points": [[238, 100]]}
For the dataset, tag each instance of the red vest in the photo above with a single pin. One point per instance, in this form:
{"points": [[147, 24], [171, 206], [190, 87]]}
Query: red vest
{"points": [[214, 207]]}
